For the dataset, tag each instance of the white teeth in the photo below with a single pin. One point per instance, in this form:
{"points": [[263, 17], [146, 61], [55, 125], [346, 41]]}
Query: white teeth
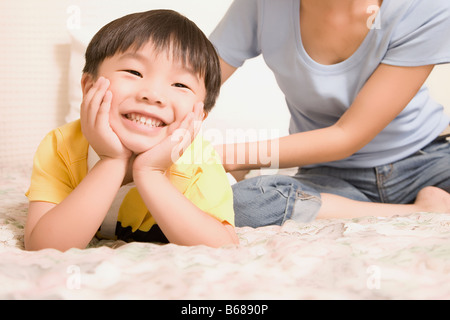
{"points": [[143, 120]]}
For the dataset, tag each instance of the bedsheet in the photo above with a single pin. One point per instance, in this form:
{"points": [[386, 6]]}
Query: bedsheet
{"points": [[366, 258]]}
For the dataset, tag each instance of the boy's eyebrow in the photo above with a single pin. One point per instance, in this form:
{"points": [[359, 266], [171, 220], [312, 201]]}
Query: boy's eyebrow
{"points": [[133, 55], [142, 58]]}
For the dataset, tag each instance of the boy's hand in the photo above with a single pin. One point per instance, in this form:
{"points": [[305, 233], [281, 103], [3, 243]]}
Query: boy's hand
{"points": [[95, 122], [163, 155]]}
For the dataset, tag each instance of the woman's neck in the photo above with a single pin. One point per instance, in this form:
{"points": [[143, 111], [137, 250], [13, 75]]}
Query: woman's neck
{"points": [[349, 6], [332, 30]]}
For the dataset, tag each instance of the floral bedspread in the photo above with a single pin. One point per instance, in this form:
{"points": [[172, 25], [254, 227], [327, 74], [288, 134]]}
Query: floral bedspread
{"points": [[366, 258]]}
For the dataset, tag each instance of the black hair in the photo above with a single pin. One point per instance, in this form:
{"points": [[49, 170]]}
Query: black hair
{"points": [[166, 29]]}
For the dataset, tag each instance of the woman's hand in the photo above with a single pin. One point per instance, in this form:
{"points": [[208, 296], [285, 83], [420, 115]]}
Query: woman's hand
{"points": [[95, 122], [181, 135]]}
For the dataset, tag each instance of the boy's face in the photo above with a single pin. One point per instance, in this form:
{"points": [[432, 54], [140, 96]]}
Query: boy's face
{"points": [[149, 92]]}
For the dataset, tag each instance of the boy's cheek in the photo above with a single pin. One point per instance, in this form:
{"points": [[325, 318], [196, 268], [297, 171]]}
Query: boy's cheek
{"points": [[114, 116]]}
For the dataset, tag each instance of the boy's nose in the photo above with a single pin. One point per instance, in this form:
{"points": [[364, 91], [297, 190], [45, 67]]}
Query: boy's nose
{"points": [[152, 95]]}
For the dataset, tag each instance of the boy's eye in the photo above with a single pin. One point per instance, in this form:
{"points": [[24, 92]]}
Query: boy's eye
{"points": [[134, 72], [180, 85]]}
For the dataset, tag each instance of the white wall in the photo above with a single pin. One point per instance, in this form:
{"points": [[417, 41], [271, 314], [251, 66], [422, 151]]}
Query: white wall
{"points": [[35, 56], [439, 85]]}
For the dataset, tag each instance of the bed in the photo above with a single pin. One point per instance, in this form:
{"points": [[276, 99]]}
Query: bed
{"points": [[366, 258]]}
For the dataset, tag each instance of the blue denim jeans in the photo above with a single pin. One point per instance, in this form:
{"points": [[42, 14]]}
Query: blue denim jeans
{"points": [[273, 199]]}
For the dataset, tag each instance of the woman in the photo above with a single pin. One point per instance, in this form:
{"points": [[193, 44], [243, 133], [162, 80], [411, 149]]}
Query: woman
{"points": [[362, 122]]}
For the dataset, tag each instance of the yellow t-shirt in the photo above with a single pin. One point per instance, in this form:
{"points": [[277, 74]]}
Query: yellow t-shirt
{"points": [[61, 163]]}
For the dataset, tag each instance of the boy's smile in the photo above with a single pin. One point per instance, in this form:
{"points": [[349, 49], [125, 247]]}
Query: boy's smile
{"points": [[148, 120], [151, 94]]}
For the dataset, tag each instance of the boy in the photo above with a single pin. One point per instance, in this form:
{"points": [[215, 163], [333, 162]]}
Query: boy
{"points": [[148, 76]]}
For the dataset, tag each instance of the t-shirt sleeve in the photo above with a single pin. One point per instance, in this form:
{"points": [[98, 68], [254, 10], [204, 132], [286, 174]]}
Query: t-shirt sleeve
{"points": [[50, 179], [212, 193], [421, 37], [200, 176], [236, 37]]}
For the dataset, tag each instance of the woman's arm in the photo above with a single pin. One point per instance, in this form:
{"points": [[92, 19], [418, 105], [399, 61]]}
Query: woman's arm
{"points": [[227, 70], [387, 92]]}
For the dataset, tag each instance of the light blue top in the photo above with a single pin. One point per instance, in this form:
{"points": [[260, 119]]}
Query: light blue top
{"points": [[406, 33]]}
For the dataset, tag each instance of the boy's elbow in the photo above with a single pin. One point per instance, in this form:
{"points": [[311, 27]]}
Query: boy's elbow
{"points": [[220, 238], [233, 239], [41, 244], [229, 241], [30, 246]]}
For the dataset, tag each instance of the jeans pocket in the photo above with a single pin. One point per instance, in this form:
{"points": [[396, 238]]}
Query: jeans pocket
{"points": [[437, 146], [264, 200]]}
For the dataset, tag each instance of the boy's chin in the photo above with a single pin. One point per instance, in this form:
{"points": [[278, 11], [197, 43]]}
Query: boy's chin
{"points": [[137, 148]]}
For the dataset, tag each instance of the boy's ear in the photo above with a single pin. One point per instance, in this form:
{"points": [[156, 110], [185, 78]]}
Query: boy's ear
{"points": [[205, 115], [87, 81]]}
